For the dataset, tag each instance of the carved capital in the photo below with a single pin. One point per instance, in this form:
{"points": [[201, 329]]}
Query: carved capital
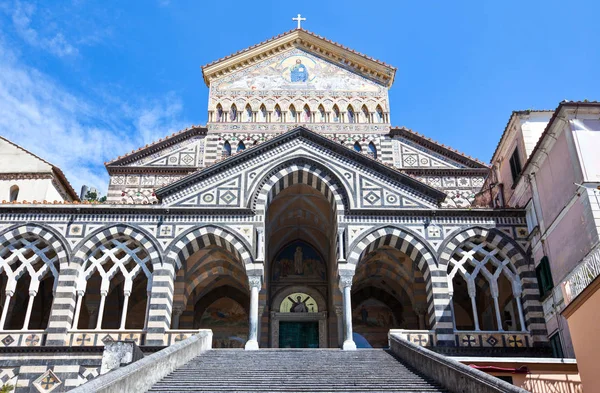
{"points": [[255, 282], [345, 280], [339, 311], [177, 310]]}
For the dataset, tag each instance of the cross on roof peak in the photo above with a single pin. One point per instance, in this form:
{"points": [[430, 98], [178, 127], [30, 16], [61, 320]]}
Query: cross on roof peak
{"points": [[299, 18]]}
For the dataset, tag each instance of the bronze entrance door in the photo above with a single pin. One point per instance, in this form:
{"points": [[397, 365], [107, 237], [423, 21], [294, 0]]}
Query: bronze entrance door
{"points": [[298, 334]]}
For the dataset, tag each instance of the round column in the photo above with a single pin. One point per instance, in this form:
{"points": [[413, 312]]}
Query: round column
{"points": [[255, 283], [345, 287]]}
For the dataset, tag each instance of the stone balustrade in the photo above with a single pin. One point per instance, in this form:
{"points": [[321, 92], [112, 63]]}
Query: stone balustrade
{"points": [[91, 338], [582, 276], [471, 339], [22, 338]]}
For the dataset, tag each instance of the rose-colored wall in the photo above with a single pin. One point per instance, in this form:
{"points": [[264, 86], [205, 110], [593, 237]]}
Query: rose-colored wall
{"points": [[555, 180], [584, 323], [571, 240], [574, 235], [544, 382]]}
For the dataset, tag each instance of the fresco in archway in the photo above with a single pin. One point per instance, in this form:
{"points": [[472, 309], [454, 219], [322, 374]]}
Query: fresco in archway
{"points": [[298, 261], [228, 321], [373, 319]]}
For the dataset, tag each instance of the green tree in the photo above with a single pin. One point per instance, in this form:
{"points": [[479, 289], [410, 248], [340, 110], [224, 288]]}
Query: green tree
{"points": [[93, 197], [7, 388]]}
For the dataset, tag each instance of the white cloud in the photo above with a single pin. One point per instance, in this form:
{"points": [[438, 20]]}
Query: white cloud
{"points": [[53, 42], [76, 133]]}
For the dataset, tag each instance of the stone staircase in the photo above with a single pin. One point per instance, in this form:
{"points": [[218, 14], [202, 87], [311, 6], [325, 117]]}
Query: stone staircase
{"points": [[295, 370]]}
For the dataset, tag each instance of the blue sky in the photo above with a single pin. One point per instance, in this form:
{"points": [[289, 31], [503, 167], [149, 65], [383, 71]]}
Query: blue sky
{"points": [[82, 82]]}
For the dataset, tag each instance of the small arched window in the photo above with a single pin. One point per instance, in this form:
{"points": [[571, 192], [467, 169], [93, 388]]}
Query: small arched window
{"points": [[372, 151], [14, 193], [241, 146], [277, 113], [306, 114], [292, 113], [233, 113], [219, 113], [351, 115], [226, 150], [336, 114], [248, 113], [379, 114], [321, 114], [263, 114], [366, 114], [357, 147]]}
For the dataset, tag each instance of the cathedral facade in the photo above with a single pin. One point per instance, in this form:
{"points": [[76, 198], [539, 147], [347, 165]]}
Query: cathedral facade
{"points": [[297, 217]]}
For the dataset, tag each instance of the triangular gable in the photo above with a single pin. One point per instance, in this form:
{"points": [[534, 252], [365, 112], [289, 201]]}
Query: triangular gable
{"points": [[188, 153], [417, 151], [182, 149], [234, 182], [302, 39], [20, 160]]}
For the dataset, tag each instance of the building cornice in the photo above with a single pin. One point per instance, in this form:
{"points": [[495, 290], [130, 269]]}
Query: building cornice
{"points": [[160, 210], [303, 39]]}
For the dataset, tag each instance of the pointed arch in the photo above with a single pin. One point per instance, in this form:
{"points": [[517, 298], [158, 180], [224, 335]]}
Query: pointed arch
{"points": [[248, 114], [365, 114], [357, 148], [336, 114], [293, 114], [277, 112], [240, 147], [219, 113], [226, 151], [322, 114], [380, 115], [263, 113], [351, 115], [306, 115], [233, 113], [372, 150]]}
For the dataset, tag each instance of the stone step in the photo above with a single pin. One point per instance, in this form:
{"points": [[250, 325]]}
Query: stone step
{"points": [[284, 370]]}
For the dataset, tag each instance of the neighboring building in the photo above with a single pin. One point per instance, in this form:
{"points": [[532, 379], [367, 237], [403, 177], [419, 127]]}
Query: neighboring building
{"points": [[297, 208], [547, 162], [25, 177]]}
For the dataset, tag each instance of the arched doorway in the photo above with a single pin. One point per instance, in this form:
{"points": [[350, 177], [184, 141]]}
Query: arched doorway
{"points": [[300, 233], [211, 292], [388, 292]]}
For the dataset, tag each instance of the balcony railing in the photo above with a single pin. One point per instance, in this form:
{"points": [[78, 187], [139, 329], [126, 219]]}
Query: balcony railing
{"points": [[583, 275]]}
